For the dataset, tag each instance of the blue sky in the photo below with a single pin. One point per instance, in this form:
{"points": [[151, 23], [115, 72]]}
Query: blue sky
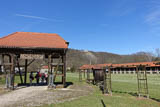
{"points": [[117, 26]]}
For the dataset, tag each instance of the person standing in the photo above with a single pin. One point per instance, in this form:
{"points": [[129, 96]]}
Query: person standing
{"points": [[42, 77], [37, 77], [31, 78], [46, 78]]}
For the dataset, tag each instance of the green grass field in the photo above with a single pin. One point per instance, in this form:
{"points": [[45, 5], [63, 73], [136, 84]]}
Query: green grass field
{"points": [[123, 86]]}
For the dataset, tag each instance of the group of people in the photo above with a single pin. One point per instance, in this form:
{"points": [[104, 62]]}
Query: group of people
{"points": [[40, 77]]}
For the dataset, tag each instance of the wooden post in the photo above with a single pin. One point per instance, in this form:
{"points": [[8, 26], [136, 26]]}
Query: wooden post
{"points": [[3, 62], [6, 74], [25, 76], [50, 76], [142, 81], [107, 84], [80, 75], [49, 70], [146, 83], [64, 70], [12, 71], [138, 80], [19, 71], [110, 80], [104, 82], [87, 75]]}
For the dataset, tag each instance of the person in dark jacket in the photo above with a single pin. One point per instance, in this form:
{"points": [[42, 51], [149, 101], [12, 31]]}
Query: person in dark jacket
{"points": [[37, 77], [31, 78], [46, 78], [42, 77]]}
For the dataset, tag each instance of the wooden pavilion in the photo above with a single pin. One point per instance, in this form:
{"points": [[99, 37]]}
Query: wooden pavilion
{"points": [[31, 46]]}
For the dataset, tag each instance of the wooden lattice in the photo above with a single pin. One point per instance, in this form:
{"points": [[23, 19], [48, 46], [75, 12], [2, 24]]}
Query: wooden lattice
{"points": [[142, 81]]}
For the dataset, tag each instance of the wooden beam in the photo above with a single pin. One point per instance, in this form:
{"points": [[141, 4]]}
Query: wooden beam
{"points": [[55, 72], [104, 82], [49, 64], [55, 64], [7, 64], [80, 75], [31, 62], [62, 69], [25, 76], [19, 70], [12, 71], [64, 77]]}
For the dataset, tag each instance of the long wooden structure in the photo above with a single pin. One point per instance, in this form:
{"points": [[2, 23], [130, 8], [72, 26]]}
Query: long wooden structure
{"points": [[106, 85]]}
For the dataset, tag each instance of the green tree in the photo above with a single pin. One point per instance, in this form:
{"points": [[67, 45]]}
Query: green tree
{"points": [[73, 69]]}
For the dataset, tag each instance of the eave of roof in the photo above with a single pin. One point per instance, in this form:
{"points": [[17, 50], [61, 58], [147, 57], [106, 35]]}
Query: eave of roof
{"points": [[33, 40], [124, 65]]}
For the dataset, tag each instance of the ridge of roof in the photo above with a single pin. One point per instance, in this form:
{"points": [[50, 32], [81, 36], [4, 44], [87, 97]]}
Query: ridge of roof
{"points": [[33, 39], [49, 34], [118, 65], [8, 35]]}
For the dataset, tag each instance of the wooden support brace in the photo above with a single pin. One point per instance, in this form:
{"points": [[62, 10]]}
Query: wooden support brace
{"points": [[19, 71], [80, 75], [25, 76], [30, 62]]}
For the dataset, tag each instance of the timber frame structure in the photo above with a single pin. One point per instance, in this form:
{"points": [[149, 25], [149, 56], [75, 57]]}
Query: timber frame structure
{"points": [[142, 81], [107, 84], [51, 50]]}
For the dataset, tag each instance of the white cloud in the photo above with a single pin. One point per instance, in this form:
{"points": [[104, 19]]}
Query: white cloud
{"points": [[37, 17], [153, 17]]}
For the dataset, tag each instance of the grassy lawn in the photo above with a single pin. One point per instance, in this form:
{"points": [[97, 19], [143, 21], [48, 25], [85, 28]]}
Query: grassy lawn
{"points": [[123, 86]]}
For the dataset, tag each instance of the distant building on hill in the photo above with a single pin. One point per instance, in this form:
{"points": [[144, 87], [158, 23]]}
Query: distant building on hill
{"points": [[44, 69]]}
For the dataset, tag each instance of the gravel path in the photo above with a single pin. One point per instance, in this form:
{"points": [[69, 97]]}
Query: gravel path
{"points": [[40, 95]]}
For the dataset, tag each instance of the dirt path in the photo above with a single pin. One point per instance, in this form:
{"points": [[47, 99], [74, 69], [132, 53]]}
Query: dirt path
{"points": [[40, 95]]}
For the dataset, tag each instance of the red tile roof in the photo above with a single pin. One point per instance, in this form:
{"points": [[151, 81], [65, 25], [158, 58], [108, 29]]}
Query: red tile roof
{"points": [[150, 64], [128, 65], [33, 40], [44, 67], [86, 67], [96, 66], [100, 66]]}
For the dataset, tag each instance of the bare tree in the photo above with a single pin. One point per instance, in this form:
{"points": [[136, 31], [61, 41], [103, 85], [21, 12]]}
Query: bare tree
{"points": [[91, 57], [149, 56], [157, 54]]}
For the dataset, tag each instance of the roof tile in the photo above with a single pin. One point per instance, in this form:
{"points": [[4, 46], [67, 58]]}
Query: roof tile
{"points": [[33, 40]]}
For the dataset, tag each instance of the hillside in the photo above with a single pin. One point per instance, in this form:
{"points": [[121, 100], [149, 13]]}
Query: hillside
{"points": [[76, 58]]}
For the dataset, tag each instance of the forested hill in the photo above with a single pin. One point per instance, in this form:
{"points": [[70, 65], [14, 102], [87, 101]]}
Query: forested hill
{"points": [[76, 58]]}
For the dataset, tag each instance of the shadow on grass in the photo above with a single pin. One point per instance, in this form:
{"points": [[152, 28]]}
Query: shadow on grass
{"points": [[66, 85], [131, 93], [134, 94], [45, 84], [103, 103], [158, 100]]}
